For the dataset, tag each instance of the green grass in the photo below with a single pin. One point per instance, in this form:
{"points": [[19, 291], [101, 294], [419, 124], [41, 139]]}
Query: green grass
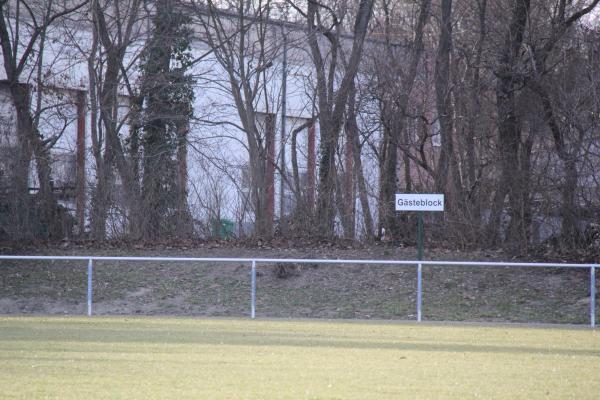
{"points": [[158, 358]]}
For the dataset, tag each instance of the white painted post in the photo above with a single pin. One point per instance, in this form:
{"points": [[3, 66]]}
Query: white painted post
{"points": [[253, 294], [89, 287], [593, 296]]}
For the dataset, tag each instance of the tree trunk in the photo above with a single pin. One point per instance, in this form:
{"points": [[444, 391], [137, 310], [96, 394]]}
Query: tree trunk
{"points": [[27, 132], [185, 222], [509, 133], [348, 211], [443, 97], [448, 163], [349, 192], [353, 140], [158, 142], [388, 176], [326, 187], [569, 208], [474, 125], [332, 105], [570, 232], [20, 210]]}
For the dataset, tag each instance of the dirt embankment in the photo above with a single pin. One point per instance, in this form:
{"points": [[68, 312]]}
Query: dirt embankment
{"points": [[323, 291]]}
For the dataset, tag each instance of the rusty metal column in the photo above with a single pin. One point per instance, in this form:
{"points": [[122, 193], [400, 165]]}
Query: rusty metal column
{"points": [[311, 166], [80, 163]]}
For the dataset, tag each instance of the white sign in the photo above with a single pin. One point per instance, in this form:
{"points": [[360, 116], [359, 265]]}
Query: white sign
{"points": [[419, 202]]}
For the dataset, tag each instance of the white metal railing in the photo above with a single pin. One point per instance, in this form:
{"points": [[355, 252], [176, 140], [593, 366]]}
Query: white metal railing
{"points": [[252, 262]]}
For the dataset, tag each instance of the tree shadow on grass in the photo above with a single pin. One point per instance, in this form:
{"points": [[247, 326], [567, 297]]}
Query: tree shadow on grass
{"points": [[167, 337]]}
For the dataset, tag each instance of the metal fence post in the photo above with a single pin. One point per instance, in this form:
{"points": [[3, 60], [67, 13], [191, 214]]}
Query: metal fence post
{"points": [[593, 296], [253, 294], [89, 287], [419, 290]]}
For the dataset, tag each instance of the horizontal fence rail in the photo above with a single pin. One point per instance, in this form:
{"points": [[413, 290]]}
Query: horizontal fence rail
{"points": [[252, 262]]}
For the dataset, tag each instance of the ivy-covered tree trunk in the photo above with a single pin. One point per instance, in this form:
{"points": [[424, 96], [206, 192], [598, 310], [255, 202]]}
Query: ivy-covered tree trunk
{"points": [[167, 101]]}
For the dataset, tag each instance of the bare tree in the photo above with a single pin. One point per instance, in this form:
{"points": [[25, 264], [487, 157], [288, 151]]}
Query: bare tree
{"points": [[395, 72], [472, 110], [354, 138], [522, 64], [509, 132], [568, 137], [324, 22], [115, 28], [23, 29], [447, 163], [240, 43]]}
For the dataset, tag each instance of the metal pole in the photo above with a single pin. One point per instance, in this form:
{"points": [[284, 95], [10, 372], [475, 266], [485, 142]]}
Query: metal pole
{"points": [[253, 294], [420, 236], [283, 121], [593, 297], [419, 290], [420, 266], [89, 287]]}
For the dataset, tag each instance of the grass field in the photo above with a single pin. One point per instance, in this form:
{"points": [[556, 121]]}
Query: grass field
{"points": [[158, 358]]}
